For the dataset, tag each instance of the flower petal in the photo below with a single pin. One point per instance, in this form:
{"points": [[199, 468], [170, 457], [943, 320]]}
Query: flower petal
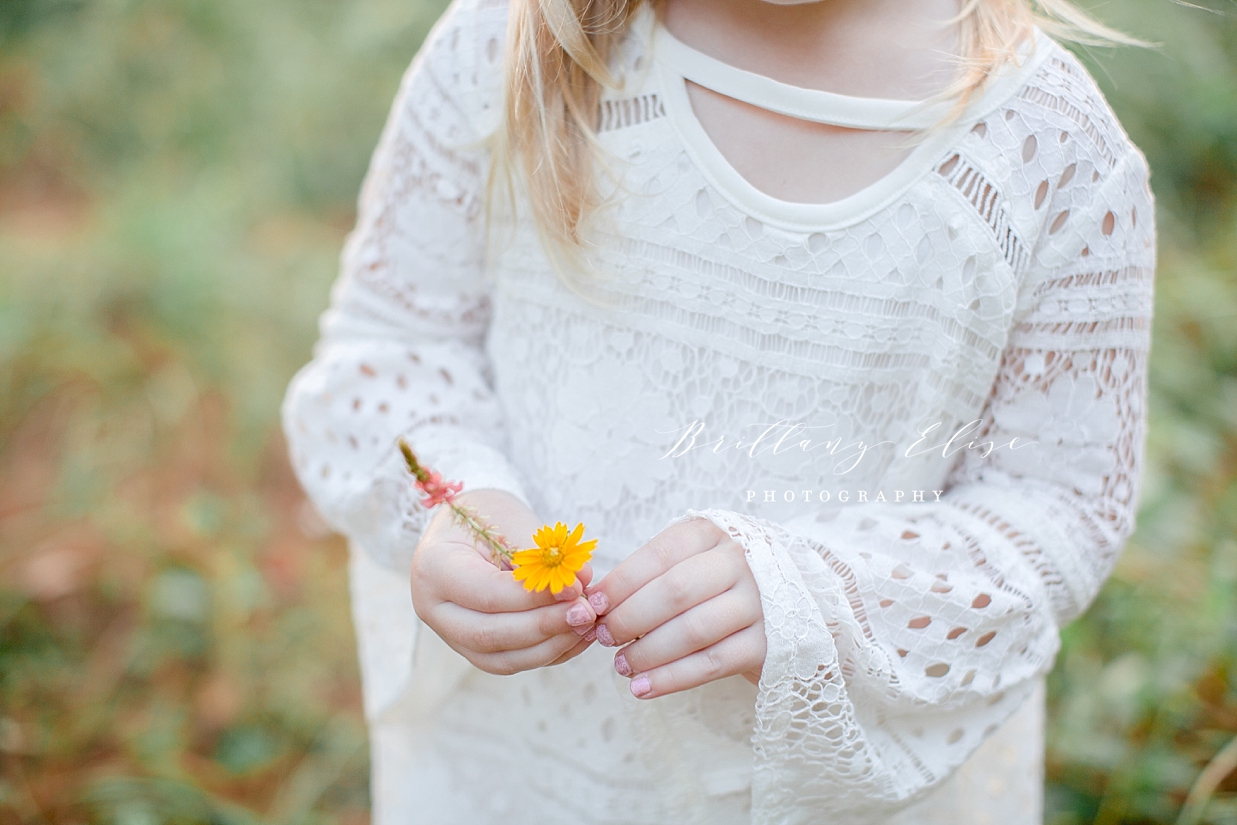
{"points": [[530, 556]]}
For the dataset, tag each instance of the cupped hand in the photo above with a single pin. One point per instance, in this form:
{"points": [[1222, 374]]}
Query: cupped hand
{"points": [[687, 609], [481, 611]]}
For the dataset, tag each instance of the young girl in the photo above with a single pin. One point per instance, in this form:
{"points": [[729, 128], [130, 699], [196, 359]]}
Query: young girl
{"points": [[828, 319]]}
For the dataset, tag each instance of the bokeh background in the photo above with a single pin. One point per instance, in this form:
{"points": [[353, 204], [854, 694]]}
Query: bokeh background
{"points": [[176, 179]]}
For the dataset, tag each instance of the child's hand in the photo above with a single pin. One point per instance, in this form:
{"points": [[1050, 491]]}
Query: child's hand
{"points": [[690, 601], [481, 611]]}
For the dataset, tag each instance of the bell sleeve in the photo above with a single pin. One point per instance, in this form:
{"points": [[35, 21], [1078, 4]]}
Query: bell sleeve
{"points": [[402, 346], [900, 636]]}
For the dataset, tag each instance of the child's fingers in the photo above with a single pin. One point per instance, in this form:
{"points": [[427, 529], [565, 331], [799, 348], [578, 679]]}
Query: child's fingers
{"points": [[737, 653], [574, 591], [662, 552], [700, 627], [689, 583], [582, 646], [498, 632], [585, 576], [473, 582], [516, 661]]}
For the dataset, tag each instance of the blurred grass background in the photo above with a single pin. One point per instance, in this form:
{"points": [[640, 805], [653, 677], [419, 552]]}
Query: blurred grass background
{"points": [[176, 178]]}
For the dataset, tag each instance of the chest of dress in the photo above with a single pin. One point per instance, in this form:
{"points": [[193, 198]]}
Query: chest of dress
{"points": [[863, 334], [920, 293]]}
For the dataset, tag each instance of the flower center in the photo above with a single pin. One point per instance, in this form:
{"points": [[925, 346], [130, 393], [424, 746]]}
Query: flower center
{"points": [[552, 556]]}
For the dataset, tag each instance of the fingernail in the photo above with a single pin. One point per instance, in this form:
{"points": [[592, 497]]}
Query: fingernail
{"points": [[640, 686], [620, 664], [591, 634], [578, 615], [599, 602], [603, 636]]}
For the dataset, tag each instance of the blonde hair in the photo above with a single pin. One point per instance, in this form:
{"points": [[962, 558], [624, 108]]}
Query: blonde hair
{"points": [[556, 65]]}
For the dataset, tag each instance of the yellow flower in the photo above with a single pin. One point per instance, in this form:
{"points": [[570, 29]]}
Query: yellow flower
{"points": [[555, 560]]}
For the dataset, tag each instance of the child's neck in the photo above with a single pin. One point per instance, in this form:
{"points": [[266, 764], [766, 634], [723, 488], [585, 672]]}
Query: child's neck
{"points": [[899, 49], [867, 48]]}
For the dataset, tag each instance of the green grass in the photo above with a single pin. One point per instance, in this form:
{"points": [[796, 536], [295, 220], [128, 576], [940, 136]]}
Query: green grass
{"points": [[176, 179]]}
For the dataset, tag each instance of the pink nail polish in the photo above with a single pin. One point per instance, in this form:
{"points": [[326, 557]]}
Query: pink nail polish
{"points": [[599, 602], [591, 635], [578, 615], [640, 686], [581, 630], [620, 664], [603, 636]]}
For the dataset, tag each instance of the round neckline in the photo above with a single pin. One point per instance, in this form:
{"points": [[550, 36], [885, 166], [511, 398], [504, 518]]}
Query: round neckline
{"points": [[676, 63]]}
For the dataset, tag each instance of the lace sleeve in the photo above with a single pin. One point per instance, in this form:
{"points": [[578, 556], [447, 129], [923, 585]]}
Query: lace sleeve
{"points": [[401, 351], [901, 635]]}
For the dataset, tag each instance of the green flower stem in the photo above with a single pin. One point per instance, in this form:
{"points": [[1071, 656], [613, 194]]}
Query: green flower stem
{"points": [[500, 550]]}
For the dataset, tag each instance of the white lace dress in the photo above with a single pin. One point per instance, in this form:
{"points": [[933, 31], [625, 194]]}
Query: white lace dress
{"points": [[997, 284]]}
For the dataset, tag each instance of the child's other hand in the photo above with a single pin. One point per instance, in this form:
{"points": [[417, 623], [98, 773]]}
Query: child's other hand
{"points": [[481, 611], [689, 606]]}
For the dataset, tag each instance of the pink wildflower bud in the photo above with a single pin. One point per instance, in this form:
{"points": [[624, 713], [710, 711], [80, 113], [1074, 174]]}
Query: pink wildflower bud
{"points": [[438, 491]]}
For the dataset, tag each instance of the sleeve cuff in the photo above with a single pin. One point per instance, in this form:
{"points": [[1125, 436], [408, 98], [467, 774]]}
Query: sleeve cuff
{"points": [[826, 745]]}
